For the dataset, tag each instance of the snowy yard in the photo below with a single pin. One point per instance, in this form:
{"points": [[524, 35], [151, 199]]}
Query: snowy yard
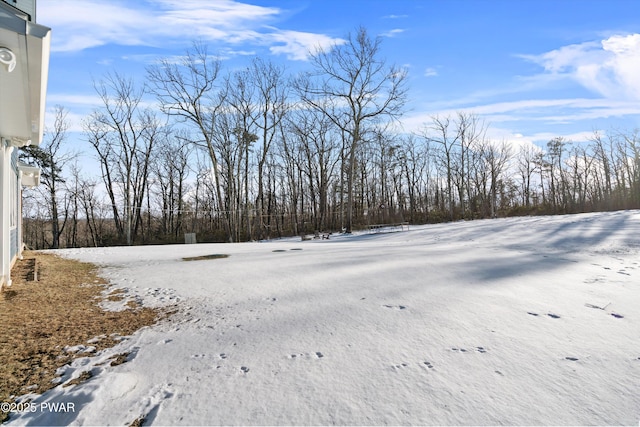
{"points": [[529, 320]]}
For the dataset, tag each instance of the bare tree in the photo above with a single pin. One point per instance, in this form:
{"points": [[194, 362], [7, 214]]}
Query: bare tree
{"points": [[497, 157], [52, 157], [602, 157], [355, 89], [187, 90], [123, 136], [313, 149], [440, 133], [526, 168], [470, 132], [271, 107], [171, 168]]}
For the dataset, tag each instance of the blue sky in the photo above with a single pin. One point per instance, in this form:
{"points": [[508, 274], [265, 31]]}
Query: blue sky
{"points": [[532, 70]]}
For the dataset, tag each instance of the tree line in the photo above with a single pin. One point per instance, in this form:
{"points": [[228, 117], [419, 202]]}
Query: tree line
{"points": [[256, 153]]}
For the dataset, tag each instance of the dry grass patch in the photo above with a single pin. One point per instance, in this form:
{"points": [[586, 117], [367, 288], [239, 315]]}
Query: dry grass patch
{"points": [[116, 295], [119, 359], [81, 378], [40, 318]]}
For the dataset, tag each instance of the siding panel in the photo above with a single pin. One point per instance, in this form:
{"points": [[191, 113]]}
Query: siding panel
{"points": [[14, 221]]}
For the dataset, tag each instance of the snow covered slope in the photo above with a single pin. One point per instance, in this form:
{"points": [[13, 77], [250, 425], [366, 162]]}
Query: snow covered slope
{"points": [[529, 320]]}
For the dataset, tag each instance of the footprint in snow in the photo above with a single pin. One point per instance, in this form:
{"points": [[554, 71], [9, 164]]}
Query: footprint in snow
{"points": [[400, 366], [552, 315], [617, 316], [316, 355], [573, 359], [403, 365], [464, 350], [395, 307], [244, 369]]}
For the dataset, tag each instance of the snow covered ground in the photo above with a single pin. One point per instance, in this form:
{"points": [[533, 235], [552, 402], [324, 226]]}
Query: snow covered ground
{"points": [[529, 320]]}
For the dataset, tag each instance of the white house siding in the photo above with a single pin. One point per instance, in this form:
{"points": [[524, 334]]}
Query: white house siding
{"points": [[5, 212], [14, 195], [10, 212], [23, 84], [26, 6]]}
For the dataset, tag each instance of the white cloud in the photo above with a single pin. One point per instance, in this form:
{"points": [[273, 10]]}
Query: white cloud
{"points": [[83, 24], [538, 139], [297, 45], [79, 24], [548, 111], [608, 68], [430, 72], [73, 100], [392, 33]]}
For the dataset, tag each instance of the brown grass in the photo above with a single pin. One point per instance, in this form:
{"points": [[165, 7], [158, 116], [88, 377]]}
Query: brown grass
{"points": [[40, 318]]}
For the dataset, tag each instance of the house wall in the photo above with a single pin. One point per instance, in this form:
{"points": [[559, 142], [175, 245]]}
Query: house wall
{"points": [[10, 211], [14, 218], [23, 86], [5, 234], [26, 6]]}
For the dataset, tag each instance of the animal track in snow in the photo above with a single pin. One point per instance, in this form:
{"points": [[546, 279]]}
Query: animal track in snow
{"points": [[400, 366], [403, 365], [573, 359], [150, 405], [597, 279], [552, 315], [315, 355], [244, 369], [395, 307], [617, 316], [464, 350]]}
